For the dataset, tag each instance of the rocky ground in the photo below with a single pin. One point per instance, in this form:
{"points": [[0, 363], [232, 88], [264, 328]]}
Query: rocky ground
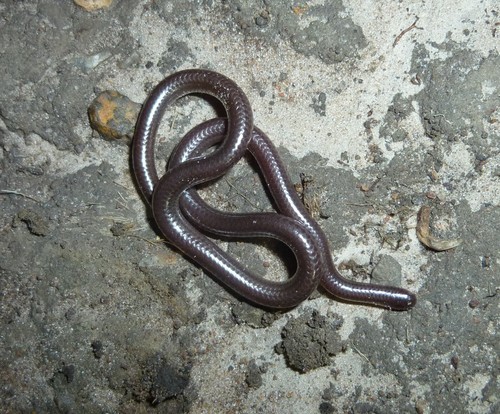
{"points": [[378, 109]]}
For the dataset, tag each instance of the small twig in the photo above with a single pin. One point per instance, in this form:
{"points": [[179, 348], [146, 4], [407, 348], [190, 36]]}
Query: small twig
{"points": [[121, 185], [241, 195], [363, 355], [152, 242], [174, 118], [124, 204], [399, 36], [360, 204], [11, 192]]}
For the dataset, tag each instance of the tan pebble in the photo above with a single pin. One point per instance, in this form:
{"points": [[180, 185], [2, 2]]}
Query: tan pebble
{"points": [[92, 5], [113, 115]]}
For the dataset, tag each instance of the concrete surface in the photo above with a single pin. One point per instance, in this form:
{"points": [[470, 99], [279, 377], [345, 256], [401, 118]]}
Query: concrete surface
{"points": [[99, 316]]}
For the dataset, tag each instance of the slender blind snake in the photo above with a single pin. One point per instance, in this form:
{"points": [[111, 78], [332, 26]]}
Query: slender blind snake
{"points": [[182, 216]]}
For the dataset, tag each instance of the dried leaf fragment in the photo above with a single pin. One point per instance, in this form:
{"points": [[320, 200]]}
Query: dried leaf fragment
{"points": [[425, 236]]}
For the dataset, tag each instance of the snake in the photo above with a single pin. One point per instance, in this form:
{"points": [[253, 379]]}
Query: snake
{"points": [[184, 218]]}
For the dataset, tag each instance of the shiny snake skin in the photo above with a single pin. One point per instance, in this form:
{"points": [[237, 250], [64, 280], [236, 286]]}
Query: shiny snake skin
{"points": [[182, 216]]}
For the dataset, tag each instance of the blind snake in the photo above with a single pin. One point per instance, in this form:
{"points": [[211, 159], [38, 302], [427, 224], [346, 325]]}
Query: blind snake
{"points": [[182, 215]]}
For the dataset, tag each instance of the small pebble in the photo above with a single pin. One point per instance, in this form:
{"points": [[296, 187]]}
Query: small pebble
{"points": [[113, 115], [93, 5]]}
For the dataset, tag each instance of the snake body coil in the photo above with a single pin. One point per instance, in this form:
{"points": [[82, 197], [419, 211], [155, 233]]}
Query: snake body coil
{"points": [[182, 215]]}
